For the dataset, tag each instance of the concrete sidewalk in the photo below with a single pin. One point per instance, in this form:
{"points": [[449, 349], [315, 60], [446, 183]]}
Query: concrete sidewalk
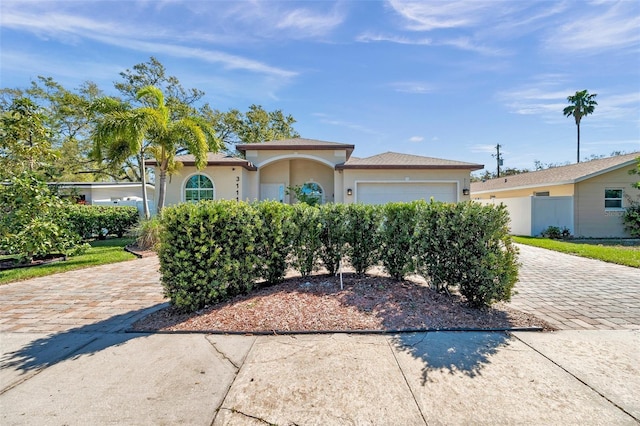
{"points": [[66, 360], [567, 377]]}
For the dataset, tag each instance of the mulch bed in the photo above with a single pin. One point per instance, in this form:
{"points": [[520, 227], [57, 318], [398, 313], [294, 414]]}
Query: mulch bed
{"points": [[317, 303], [14, 263]]}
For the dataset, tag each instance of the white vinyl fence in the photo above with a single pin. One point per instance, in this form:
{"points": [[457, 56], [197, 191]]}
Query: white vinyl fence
{"points": [[531, 215]]}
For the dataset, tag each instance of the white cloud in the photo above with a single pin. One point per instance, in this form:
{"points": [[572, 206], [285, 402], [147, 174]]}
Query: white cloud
{"points": [[416, 139], [428, 16], [371, 37], [603, 26], [482, 149], [548, 100], [279, 20], [71, 28], [310, 22], [326, 119], [414, 87]]}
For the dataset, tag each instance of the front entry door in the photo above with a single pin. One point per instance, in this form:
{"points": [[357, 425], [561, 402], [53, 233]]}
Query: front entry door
{"points": [[272, 191]]}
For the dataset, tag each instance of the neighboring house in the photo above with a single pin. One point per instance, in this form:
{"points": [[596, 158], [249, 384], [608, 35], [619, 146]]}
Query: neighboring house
{"points": [[324, 169], [109, 193], [588, 198]]}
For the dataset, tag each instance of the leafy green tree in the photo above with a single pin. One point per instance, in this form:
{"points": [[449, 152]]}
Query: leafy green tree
{"points": [[153, 73], [24, 139], [32, 220], [68, 118], [151, 129], [636, 171], [582, 103], [254, 126]]}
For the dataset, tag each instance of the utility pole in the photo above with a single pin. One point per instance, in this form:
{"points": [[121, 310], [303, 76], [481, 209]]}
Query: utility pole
{"points": [[498, 158]]}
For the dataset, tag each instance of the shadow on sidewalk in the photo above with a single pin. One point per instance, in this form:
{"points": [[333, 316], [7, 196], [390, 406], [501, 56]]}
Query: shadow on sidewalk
{"points": [[85, 340], [455, 351]]}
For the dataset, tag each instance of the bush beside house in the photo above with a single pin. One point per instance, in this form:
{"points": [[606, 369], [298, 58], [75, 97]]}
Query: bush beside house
{"points": [[100, 221], [36, 222], [212, 251]]}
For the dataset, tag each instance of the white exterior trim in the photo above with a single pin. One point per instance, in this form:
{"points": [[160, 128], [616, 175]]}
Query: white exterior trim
{"points": [[183, 184], [293, 157]]}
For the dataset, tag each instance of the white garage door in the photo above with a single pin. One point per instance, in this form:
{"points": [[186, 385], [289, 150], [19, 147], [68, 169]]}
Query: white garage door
{"points": [[380, 193]]}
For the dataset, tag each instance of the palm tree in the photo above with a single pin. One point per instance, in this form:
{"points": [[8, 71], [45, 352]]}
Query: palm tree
{"points": [[153, 129], [582, 103]]}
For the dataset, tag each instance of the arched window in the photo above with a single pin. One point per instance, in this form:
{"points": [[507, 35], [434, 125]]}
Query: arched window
{"points": [[313, 190], [199, 187]]}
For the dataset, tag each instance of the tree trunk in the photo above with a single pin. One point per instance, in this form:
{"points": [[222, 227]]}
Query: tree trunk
{"points": [[162, 189], [578, 124], [143, 178]]}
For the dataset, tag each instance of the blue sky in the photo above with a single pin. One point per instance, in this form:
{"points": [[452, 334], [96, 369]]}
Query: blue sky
{"points": [[447, 79]]}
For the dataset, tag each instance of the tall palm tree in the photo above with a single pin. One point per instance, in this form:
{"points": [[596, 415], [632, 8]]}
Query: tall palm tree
{"points": [[153, 129], [582, 103]]}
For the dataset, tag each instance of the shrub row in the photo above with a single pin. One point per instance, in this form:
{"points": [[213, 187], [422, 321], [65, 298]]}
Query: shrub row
{"points": [[100, 221], [33, 220], [211, 251]]}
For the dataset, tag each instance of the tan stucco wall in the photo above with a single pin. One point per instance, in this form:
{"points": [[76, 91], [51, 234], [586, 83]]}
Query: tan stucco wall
{"points": [[351, 176], [554, 191], [224, 182], [261, 158], [591, 218], [298, 171]]}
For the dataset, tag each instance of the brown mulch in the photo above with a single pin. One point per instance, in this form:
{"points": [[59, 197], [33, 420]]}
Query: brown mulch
{"points": [[13, 263], [139, 251], [317, 303]]}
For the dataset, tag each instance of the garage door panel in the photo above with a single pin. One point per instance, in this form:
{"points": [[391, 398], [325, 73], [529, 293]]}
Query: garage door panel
{"points": [[380, 193]]}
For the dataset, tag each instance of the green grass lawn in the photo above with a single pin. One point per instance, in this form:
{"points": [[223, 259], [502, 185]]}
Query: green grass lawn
{"points": [[622, 252], [100, 253]]}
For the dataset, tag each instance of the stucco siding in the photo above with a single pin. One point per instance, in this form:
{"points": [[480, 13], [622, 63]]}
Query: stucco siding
{"points": [[227, 182], [554, 191], [592, 218], [304, 171], [262, 158]]}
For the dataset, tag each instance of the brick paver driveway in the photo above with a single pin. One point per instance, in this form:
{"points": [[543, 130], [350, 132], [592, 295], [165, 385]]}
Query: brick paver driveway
{"points": [[102, 298], [567, 291], [575, 293]]}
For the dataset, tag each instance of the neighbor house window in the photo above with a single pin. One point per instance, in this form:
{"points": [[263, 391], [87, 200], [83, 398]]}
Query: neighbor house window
{"points": [[613, 198], [199, 187]]}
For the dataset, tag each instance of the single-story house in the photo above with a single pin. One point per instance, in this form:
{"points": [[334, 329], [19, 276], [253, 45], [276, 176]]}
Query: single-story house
{"points": [[109, 193], [324, 169], [588, 198]]}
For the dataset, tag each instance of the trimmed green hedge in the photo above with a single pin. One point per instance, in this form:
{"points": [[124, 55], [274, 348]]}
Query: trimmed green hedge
{"points": [[100, 221], [212, 251], [208, 252]]}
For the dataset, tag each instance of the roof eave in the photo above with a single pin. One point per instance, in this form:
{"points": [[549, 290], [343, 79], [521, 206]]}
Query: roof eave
{"points": [[517, 188], [408, 167], [272, 147], [607, 170]]}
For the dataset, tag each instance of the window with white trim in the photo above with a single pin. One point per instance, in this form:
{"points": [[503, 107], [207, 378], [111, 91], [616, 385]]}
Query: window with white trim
{"points": [[199, 187], [613, 198]]}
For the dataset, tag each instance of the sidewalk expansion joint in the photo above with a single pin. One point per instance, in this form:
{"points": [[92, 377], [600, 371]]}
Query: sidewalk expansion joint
{"points": [[578, 379], [413, 395]]}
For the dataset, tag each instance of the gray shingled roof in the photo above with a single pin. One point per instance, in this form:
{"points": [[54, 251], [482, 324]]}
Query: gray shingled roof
{"points": [[213, 159], [296, 143], [394, 160], [572, 173]]}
